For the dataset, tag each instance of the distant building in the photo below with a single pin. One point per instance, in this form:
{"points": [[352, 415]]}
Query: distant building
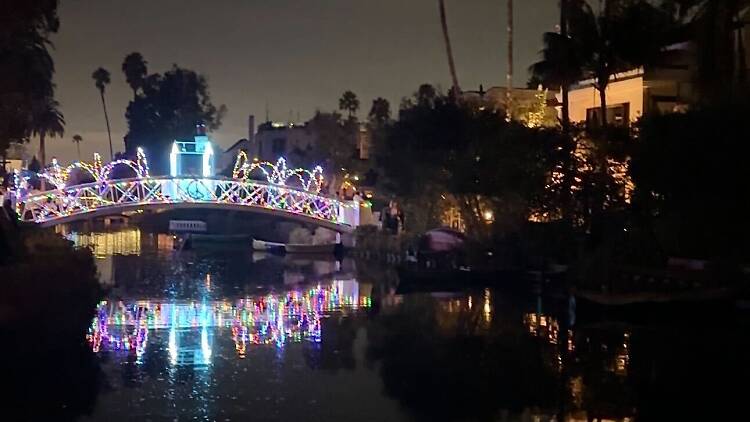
{"points": [[277, 139], [364, 143], [522, 102], [16, 158], [229, 156]]}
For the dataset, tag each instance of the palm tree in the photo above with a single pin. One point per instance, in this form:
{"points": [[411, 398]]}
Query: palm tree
{"points": [[101, 76], [135, 70], [561, 65], [448, 50], [565, 86], [47, 120], [77, 139], [349, 103], [602, 44], [509, 75]]}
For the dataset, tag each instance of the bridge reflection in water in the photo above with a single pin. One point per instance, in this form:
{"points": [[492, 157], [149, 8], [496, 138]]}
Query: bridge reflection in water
{"points": [[269, 320]]}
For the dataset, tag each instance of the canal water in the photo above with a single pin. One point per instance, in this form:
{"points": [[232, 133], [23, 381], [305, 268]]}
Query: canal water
{"points": [[222, 333]]}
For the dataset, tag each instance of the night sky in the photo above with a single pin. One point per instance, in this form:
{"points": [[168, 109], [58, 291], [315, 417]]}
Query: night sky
{"points": [[295, 55]]}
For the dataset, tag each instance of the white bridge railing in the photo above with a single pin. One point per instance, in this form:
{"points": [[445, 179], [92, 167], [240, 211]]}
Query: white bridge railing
{"points": [[111, 196]]}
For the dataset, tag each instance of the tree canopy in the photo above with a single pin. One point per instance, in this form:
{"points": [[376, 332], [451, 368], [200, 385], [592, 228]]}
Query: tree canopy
{"points": [[349, 103], [439, 148], [689, 173], [26, 66], [135, 70], [168, 107]]}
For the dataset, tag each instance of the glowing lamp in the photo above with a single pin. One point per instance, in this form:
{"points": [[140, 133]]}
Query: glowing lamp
{"points": [[173, 160], [208, 154]]}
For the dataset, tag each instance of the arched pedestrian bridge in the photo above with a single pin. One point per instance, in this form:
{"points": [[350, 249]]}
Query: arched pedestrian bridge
{"points": [[291, 194]]}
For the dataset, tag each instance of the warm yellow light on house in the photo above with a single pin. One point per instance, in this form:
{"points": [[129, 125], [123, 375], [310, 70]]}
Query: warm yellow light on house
{"points": [[488, 216]]}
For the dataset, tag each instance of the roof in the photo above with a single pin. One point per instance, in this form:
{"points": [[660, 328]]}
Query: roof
{"points": [[236, 144]]}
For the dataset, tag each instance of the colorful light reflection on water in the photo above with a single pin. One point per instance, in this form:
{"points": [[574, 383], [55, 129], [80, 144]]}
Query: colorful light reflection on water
{"points": [[271, 319]]}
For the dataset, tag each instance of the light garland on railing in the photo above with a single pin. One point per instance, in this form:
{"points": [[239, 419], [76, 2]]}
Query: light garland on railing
{"points": [[278, 173], [59, 176], [127, 193], [143, 190]]}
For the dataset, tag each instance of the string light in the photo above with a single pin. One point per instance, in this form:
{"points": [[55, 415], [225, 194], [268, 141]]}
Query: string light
{"points": [[278, 173], [273, 319], [300, 197]]}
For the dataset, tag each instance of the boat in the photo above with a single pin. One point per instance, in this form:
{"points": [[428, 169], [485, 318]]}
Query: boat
{"points": [[219, 238], [270, 247], [296, 248], [324, 249]]}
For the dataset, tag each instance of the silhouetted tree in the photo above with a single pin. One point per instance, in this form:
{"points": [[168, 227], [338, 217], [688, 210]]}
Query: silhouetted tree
{"points": [[47, 121], [380, 112], [689, 172], [135, 70], [101, 78], [559, 68], [717, 28], [335, 148], [169, 107], [26, 66], [349, 103], [448, 49], [601, 44], [77, 139]]}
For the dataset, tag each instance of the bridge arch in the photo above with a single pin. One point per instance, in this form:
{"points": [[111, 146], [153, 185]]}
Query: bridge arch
{"points": [[109, 197]]}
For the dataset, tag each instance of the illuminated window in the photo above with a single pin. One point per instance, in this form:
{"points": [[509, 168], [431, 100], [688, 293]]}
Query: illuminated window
{"points": [[617, 115]]}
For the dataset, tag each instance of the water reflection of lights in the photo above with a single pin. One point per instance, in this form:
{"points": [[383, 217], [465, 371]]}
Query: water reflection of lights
{"points": [[273, 319], [622, 359], [487, 309], [541, 325], [122, 242]]}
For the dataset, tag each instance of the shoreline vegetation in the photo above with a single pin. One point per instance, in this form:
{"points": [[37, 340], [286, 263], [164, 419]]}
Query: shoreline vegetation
{"points": [[48, 297]]}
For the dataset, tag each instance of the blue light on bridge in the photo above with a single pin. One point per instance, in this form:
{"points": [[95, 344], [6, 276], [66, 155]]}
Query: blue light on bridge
{"points": [[192, 157]]}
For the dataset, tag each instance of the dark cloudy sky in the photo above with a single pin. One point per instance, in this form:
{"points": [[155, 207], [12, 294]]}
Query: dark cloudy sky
{"points": [[296, 55]]}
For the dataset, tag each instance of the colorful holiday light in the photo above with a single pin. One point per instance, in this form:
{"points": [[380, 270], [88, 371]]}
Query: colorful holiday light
{"points": [[273, 319], [293, 191], [278, 174]]}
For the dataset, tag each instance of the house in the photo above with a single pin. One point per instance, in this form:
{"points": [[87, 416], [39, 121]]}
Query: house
{"points": [[523, 102], [229, 156], [662, 88], [16, 158], [282, 139]]}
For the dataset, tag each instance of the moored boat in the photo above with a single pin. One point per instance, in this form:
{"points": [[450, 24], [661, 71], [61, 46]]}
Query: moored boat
{"points": [[219, 238], [296, 248]]}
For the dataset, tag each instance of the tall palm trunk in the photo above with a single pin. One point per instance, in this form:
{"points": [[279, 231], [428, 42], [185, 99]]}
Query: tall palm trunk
{"points": [[78, 150], [509, 75], [568, 166], [109, 132], [448, 50], [565, 87], [603, 104], [42, 152], [741, 69], [43, 158]]}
